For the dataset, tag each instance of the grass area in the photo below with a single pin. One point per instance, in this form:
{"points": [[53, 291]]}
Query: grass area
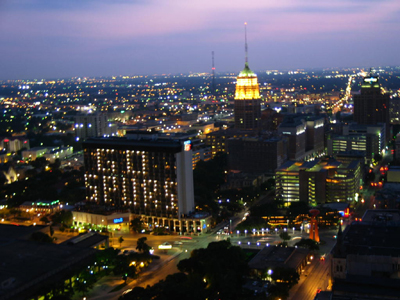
{"points": [[117, 288]]}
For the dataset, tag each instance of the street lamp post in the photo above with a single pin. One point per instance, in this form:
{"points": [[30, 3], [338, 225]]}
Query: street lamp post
{"points": [[245, 233]]}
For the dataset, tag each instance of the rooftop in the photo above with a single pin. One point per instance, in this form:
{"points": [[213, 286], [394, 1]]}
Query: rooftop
{"points": [[270, 257]]}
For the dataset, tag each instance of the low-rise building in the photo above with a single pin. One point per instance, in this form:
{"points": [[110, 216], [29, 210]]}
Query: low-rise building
{"points": [[45, 206], [34, 153], [272, 257]]}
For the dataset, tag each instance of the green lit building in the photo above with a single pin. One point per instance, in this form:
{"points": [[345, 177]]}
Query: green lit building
{"points": [[318, 181]]}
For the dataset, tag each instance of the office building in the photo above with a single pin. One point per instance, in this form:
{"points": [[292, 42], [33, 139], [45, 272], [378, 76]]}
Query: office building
{"points": [[94, 125], [371, 106], [217, 140], [366, 138], [294, 128], [247, 103], [315, 133], [318, 181], [256, 154], [151, 176]]}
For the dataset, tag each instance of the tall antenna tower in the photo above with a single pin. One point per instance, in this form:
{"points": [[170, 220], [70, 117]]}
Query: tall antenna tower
{"points": [[245, 44], [213, 74]]}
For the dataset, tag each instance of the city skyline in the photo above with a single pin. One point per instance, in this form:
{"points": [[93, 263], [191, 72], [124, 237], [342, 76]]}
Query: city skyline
{"points": [[47, 39]]}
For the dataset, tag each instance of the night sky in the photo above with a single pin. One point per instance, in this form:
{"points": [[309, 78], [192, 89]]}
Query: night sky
{"points": [[65, 38]]}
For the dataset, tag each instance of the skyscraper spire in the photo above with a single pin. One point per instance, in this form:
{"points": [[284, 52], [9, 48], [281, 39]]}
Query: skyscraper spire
{"points": [[246, 63]]}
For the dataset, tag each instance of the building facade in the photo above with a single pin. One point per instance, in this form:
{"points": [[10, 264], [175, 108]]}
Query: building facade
{"points": [[256, 155], [318, 181], [371, 106], [295, 130], [153, 177], [247, 103], [93, 125]]}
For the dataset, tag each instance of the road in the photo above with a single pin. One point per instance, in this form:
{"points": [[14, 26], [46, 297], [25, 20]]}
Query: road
{"points": [[316, 276]]}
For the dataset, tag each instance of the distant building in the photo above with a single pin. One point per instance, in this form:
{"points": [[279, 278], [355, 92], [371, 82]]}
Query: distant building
{"points": [[45, 206], [315, 133], [295, 130], [58, 153], [370, 139], [371, 106], [247, 104], [256, 154], [34, 153], [14, 144], [50, 153], [217, 140], [94, 125], [394, 110], [318, 181]]}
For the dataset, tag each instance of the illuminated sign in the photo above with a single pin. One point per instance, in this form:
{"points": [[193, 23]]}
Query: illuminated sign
{"points": [[118, 220], [370, 79], [188, 145]]}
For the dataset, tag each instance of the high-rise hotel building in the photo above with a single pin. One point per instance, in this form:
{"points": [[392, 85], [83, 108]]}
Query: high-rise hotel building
{"points": [[151, 176], [247, 104], [371, 106]]}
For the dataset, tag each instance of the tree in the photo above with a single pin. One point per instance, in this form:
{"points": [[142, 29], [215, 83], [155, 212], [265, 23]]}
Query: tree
{"points": [[41, 237], [142, 246], [220, 266], [298, 208], [45, 220], [63, 217], [15, 212], [136, 224], [308, 243], [120, 240], [284, 236]]}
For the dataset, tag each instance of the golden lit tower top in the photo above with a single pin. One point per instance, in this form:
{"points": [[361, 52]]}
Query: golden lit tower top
{"points": [[246, 83]]}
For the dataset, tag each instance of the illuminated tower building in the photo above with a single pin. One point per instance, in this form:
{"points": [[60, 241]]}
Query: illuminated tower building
{"points": [[247, 105], [372, 106]]}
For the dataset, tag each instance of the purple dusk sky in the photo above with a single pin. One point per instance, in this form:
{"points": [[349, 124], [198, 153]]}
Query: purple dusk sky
{"points": [[65, 38]]}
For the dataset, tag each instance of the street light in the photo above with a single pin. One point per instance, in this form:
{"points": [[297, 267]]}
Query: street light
{"points": [[293, 230], [245, 233], [237, 232]]}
